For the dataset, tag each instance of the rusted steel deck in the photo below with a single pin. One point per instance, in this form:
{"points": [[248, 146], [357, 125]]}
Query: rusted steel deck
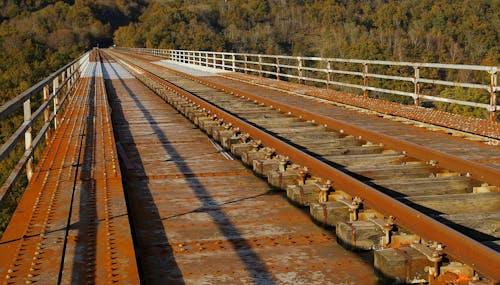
{"points": [[200, 217], [71, 225]]}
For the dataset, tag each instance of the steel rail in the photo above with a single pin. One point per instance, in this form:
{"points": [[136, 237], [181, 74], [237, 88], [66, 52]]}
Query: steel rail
{"points": [[482, 258]]}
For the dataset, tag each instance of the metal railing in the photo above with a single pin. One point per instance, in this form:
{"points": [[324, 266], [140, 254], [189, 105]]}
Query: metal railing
{"points": [[352, 73], [51, 93]]}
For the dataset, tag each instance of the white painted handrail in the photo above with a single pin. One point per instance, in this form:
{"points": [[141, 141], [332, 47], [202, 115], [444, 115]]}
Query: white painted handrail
{"points": [[320, 70]]}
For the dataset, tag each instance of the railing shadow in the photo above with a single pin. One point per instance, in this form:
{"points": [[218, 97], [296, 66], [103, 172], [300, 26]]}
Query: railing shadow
{"points": [[86, 239]]}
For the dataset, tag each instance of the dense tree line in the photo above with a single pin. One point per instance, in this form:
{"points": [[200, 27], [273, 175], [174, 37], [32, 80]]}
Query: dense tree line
{"points": [[462, 31]]}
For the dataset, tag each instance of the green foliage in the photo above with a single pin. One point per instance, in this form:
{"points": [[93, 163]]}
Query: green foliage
{"points": [[459, 93], [443, 31], [462, 32]]}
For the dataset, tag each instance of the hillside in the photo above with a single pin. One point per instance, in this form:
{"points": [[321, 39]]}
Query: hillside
{"points": [[37, 37], [462, 31]]}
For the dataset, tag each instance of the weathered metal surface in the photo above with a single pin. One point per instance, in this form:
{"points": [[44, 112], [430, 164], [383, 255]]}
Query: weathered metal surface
{"points": [[71, 225], [201, 218], [457, 244]]}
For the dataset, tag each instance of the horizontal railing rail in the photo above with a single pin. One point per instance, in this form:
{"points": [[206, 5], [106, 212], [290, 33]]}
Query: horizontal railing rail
{"points": [[52, 92], [321, 70]]}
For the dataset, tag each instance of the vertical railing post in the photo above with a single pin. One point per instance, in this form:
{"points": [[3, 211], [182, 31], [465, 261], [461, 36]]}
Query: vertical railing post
{"points": [[278, 68], [493, 94], [46, 112], [75, 72], [223, 61], [233, 61], [199, 58], [260, 65], [72, 73], [299, 69], [206, 59], [63, 77], [365, 79], [416, 78], [214, 60], [245, 59], [55, 86], [328, 73], [69, 76], [28, 139]]}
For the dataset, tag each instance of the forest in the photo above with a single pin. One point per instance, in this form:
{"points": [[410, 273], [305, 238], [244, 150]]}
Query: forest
{"points": [[39, 36]]}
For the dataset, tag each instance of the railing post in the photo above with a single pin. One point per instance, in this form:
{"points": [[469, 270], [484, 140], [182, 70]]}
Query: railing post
{"points": [[199, 59], [328, 70], [223, 61], [260, 65], [416, 97], [299, 69], [278, 68], [63, 77], [55, 86], [233, 60], [365, 79], [214, 61], [46, 112], [493, 95], [245, 59], [75, 72], [28, 139]]}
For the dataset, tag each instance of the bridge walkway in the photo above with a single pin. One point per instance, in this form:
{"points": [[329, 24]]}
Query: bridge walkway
{"points": [[71, 225]]}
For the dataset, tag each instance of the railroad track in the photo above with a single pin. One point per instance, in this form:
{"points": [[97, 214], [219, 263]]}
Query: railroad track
{"points": [[67, 224], [200, 217], [426, 214]]}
